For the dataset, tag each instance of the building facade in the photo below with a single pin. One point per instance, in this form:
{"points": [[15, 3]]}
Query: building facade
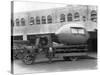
{"points": [[49, 20]]}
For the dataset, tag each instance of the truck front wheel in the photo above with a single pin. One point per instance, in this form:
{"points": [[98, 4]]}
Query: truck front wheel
{"points": [[28, 59]]}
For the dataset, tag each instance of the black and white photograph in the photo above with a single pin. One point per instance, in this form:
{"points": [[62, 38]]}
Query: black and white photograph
{"points": [[53, 37]]}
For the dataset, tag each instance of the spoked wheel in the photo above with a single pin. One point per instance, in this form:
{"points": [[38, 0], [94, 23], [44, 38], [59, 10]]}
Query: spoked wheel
{"points": [[28, 59], [73, 58]]}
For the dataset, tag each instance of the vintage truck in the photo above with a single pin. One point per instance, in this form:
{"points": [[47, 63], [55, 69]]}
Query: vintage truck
{"points": [[69, 42]]}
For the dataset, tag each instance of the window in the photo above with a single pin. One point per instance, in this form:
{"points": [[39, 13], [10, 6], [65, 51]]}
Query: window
{"points": [[81, 31], [17, 22], [32, 38], [69, 17], [77, 30], [37, 20], [84, 18], [49, 18], [17, 37], [22, 21], [31, 20], [74, 31], [93, 16], [76, 16], [62, 18], [43, 20]]}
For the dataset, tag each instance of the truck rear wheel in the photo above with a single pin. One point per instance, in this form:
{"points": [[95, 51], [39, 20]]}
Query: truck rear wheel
{"points": [[28, 59], [73, 58]]}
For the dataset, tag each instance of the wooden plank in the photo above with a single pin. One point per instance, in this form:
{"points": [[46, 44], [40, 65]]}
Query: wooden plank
{"points": [[69, 46]]}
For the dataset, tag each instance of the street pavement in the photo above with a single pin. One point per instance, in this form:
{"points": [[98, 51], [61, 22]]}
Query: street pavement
{"points": [[41, 65]]}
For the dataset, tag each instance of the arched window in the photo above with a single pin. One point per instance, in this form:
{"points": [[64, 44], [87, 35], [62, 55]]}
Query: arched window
{"points": [[43, 20], [31, 20], [76, 16], [22, 21], [49, 19], [17, 22], [84, 18], [37, 20], [93, 16], [69, 17], [62, 18]]}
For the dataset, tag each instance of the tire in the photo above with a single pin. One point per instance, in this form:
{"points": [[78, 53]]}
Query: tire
{"points": [[73, 58], [28, 59]]}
